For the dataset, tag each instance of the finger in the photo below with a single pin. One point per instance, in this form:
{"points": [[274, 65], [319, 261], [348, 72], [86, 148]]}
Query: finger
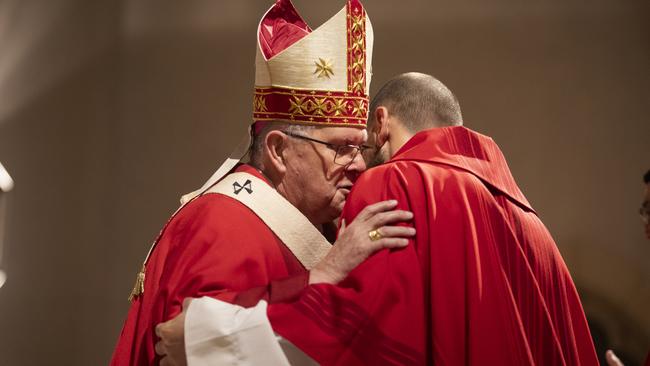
{"points": [[160, 348], [390, 217], [388, 243], [611, 358], [186, 302], [396, 231], [375, 208], [342, 227]]}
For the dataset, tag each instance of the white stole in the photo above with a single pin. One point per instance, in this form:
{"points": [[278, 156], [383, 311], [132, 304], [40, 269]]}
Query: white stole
{"points": [[219, 333]]}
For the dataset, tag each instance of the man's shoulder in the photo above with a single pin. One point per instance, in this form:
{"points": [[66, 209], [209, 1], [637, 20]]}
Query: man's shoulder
{"points": [[416, 176], [387, 171], [412, 170], [412, 183], [390, 180]]}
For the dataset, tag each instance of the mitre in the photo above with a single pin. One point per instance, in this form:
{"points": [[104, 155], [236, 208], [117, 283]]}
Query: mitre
{"points": [[315, 77]]}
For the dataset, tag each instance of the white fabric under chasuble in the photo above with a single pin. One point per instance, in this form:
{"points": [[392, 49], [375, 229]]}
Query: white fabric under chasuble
{"points": [[219, 333]]}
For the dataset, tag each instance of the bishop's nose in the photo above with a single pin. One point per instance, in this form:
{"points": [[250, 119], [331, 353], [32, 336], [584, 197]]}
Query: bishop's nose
{"points": [[356, 167]]}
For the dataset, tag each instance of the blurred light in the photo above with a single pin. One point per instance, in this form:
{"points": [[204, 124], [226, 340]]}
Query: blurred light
{"points": [[3, 278], [6, 183], [38, 49]]}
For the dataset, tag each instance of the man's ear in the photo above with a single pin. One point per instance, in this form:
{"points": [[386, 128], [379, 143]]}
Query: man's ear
{"points": [[275, 144], [381, 129]]}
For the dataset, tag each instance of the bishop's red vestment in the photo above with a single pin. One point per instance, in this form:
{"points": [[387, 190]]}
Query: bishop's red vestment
{"points": [[215, 246], [483, 283]]}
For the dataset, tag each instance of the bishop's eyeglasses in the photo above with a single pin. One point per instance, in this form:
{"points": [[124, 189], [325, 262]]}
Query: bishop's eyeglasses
{"points": [[345, 154]]}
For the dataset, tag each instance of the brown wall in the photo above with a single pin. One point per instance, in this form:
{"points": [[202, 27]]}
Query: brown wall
{"points": [[110, 110]]}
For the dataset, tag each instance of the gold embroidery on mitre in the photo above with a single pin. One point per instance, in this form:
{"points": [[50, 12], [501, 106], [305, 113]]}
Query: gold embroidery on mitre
{"points": [[357, 45], [323, 68], [259, 103], [359, 108], [357, 65], [358, 84], [320, 106], [338, 106], [298, 105], [357, 22]]}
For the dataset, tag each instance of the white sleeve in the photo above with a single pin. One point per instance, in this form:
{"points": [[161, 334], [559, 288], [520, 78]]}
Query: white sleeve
{"points": [[219, 333]]}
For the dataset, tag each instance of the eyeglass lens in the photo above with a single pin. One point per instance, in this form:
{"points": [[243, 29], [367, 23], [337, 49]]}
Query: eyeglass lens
{"points": [[345, 155]]}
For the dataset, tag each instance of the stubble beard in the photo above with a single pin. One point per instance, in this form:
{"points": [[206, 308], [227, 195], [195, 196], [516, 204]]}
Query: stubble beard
{"points": [[377, 158]]}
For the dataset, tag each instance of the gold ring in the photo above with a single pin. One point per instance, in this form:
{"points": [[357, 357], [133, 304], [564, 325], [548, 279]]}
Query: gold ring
{"points": [[374, 235]]}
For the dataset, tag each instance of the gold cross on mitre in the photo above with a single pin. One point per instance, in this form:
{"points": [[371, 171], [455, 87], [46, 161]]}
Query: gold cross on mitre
{"points": [[323, 68]]}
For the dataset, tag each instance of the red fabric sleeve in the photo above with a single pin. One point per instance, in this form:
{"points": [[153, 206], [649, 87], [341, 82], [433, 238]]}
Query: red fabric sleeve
{"points": [[282, 290]]}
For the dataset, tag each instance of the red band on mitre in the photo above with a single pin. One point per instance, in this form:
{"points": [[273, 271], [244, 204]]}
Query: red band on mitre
{"points": [[314, 107]]}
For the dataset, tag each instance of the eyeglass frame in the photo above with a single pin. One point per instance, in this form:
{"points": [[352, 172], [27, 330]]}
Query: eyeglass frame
{"points": [[359, 149]]}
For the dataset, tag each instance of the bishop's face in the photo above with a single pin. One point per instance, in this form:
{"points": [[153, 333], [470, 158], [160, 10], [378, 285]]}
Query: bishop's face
{"points": [[322, 166]]}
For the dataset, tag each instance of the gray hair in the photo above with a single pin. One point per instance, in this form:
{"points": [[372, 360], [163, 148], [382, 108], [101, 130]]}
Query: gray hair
{"points": [[419, 100], [257, 147]]}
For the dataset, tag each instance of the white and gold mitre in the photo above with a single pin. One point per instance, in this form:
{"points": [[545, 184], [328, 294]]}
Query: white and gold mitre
{"points": [[318, 77]]}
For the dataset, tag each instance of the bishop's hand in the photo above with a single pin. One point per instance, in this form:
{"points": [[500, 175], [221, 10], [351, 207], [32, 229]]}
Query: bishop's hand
{"points": [[372, 230]]}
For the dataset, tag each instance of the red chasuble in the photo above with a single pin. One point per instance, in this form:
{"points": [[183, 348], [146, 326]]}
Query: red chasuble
{"points": [[215, 246], [483, 283]]}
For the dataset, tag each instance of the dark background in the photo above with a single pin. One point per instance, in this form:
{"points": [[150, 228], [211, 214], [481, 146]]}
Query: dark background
{"points": [[110, 110]]}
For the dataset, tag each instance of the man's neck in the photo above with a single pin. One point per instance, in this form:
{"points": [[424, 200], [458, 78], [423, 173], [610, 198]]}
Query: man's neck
{"points": [[398, 137]]}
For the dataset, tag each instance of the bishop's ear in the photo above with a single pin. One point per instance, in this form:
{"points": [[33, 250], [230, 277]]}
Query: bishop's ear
{"points": [[275, 151], [381, 127]]}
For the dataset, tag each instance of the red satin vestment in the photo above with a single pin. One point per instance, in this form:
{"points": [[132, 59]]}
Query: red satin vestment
{"points": [[215, 246], [483, 283]]}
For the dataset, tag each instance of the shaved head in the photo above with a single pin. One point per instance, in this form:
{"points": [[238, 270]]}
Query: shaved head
{"points": [[420, 101]]}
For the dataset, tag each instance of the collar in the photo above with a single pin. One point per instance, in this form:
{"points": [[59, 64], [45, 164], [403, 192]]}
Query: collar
{"points": [[465, 149]]}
